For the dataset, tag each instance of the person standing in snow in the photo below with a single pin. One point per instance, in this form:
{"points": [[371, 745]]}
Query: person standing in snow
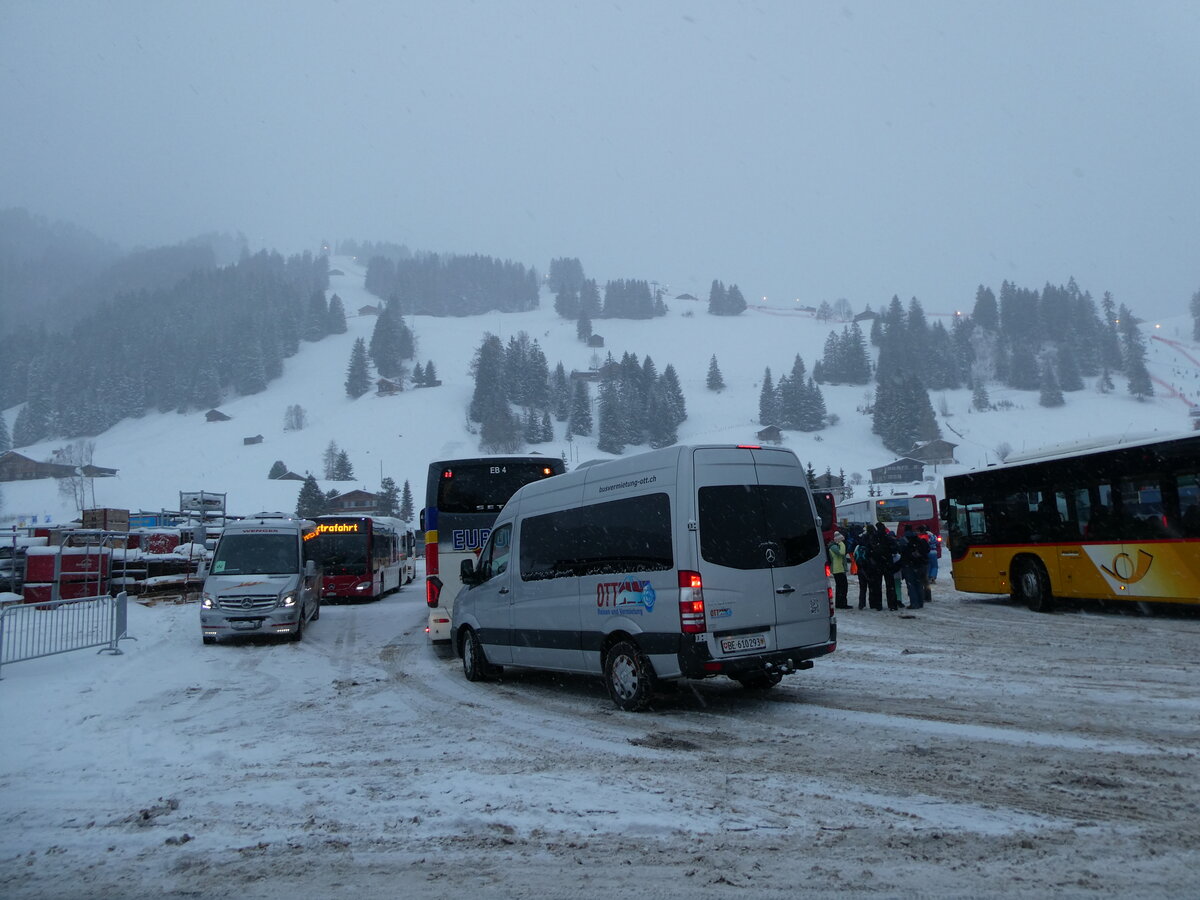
{"points": [[914, 566], [837, 568]]}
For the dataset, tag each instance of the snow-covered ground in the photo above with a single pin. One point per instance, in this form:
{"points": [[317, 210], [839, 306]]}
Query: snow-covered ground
{"points": [[973, 749], [976, 749], [162, 454]]}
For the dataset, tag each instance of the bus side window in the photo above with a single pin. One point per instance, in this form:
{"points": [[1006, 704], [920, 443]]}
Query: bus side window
{"points": [[1189, 505]]}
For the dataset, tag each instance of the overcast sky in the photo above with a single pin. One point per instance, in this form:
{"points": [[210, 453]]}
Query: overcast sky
{"points": [[801, 150]]}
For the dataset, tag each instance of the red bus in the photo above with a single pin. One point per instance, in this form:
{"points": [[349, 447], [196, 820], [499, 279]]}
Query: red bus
{"points": [[362, 556], [900, 513], [827, 513]]}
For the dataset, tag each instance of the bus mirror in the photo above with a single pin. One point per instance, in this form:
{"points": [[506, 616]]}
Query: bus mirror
{"points": [[944, 509], [467, 573]]}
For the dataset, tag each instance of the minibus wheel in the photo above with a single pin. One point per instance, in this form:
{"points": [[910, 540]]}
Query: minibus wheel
{"points": [[475, 664], [628, 676], [298, 635]]}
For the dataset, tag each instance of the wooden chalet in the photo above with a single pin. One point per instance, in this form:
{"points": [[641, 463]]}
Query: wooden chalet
{"points": [[934, 452], [900, 471], [772, 434], [17, 467], [215, 415], [354, 503]]}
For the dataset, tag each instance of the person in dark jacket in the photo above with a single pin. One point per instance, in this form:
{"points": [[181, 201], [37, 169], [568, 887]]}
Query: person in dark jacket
{"points": [[914, 566], [880, 563]]}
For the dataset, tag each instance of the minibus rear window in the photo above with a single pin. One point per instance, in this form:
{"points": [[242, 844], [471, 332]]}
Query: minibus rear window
{"points": [[757, 526]]}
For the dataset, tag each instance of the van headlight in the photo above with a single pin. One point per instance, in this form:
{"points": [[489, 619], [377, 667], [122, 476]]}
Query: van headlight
{"points": [[208, 601], [288, 599]]}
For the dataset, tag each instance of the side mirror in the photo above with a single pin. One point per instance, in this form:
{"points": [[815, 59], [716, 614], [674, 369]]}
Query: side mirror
{"points": [[310, 568], [467, 573], [944, 509]]}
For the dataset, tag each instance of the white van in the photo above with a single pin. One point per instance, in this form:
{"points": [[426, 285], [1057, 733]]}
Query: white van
{"points": [[686, 562], [261, 580]]}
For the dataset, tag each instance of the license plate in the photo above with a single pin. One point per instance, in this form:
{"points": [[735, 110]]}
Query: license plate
{"points": [[747, 642], [240, 625]]}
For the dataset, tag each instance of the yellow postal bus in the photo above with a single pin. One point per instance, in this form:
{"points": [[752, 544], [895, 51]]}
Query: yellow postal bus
{"points": [[1113, 522]]}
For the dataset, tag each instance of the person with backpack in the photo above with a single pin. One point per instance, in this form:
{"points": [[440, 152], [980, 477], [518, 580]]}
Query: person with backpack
{"points": [[914, 566], [837, 568], [861, 552], [885, 568]]}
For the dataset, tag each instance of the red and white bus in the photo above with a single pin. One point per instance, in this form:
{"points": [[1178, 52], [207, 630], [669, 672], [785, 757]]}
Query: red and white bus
{"points": [[462, 499], [827, 512], [362, 556], [901, 513]]}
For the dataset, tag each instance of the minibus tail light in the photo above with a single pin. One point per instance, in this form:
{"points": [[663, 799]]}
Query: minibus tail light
{"points": [[691, 602]]}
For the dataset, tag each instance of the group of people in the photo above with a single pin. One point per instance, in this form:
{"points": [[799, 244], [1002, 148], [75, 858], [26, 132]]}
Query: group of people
{"points": [[885, 564]]}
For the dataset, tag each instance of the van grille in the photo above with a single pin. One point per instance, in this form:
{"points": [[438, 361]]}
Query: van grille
{"points": [[248, 604]]}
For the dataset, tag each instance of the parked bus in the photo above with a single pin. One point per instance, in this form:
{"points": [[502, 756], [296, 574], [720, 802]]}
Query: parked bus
{"points": [[462, 499], [900, 513], [1115, 522], [827, 513], [362, 556]]}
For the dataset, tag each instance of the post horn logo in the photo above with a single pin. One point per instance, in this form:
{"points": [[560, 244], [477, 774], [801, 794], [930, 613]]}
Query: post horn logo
{"points": [[1126, 571]]}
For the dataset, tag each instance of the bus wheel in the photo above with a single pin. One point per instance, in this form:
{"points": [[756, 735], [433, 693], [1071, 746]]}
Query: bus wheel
{"points": [[628, 676], [475, 664], [1032, 585], [758, 681]]}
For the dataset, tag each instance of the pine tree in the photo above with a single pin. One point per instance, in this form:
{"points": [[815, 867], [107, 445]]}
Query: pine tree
{"points": [[1051, 393], [979, 397], [431, 378], [389, 496], [342, 470], [1105, 385], [609, 439], [277, 469], [547, 434], [579, 420], [5, 438], [358, 376], [406, 503], [812, 408], [735, 303], [715, 382], [1069, 378], [716, 299], [660, 431], [337, 316], [311, 502], [316, 319], [329, 460], [768, 402], [583, 328], [560, 393], [388, 343], [678, 405]]}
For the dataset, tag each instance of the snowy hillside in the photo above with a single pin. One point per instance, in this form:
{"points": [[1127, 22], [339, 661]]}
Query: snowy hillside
{"points": [[162, 454]]}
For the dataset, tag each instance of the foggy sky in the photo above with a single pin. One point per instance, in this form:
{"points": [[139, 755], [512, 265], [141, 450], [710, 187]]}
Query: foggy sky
{"points": [[801, 150]]}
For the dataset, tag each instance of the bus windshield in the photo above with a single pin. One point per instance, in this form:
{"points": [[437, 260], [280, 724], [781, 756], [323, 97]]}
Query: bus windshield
{"points": [[484, 488], [255, 554], [342, 554]]}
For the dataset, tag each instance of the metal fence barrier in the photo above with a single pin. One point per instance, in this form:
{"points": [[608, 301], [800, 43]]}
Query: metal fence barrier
{"points": [[34, 630]]}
